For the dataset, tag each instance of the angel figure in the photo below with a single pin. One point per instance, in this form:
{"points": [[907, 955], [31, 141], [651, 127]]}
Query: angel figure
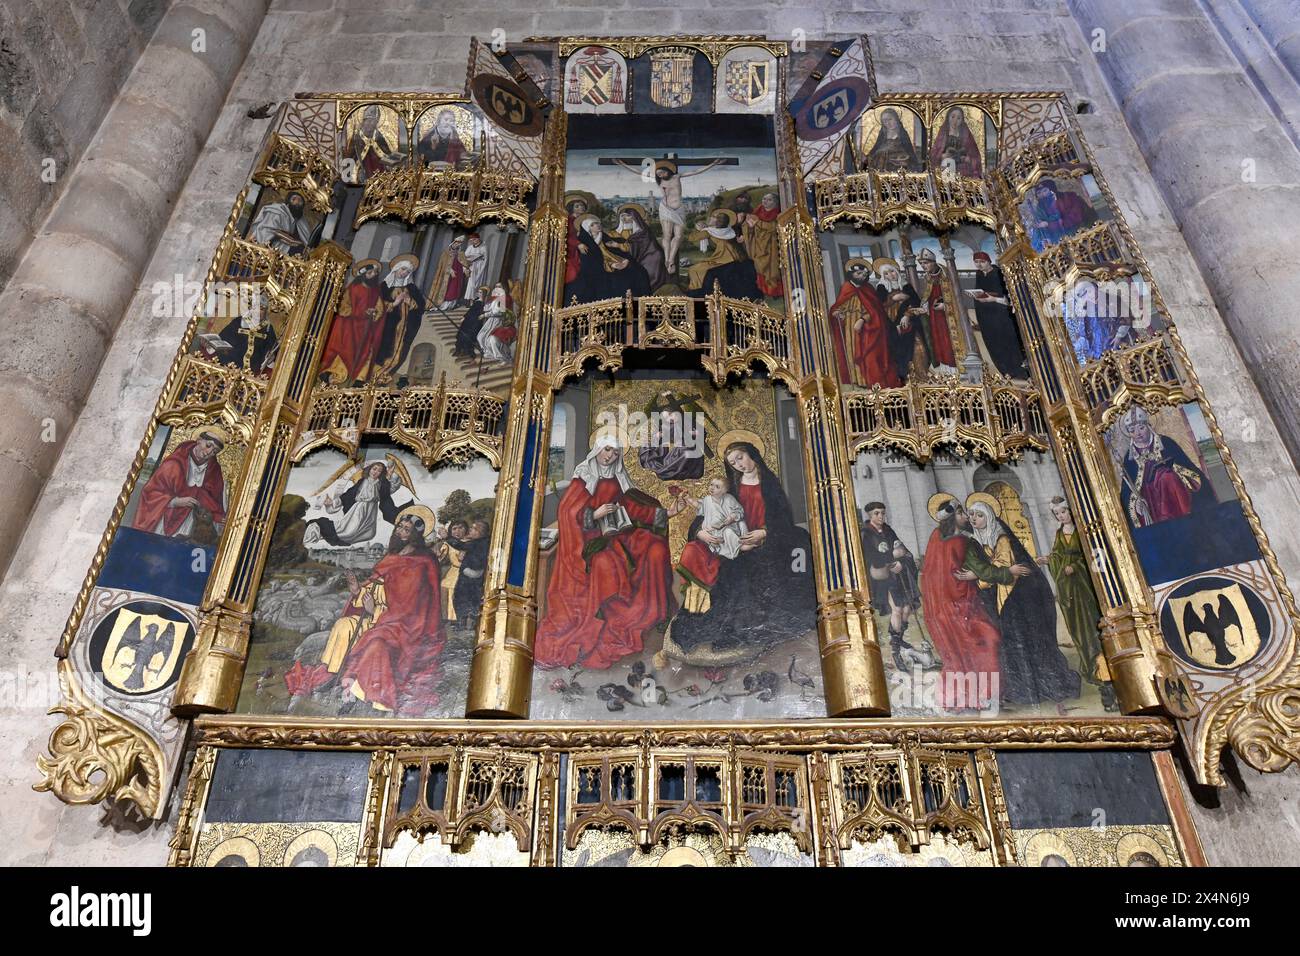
{"points": [[369, 496]]}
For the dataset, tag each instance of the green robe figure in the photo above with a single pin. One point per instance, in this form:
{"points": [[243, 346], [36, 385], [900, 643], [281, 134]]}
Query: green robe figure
{"points": [[1068, 565]]}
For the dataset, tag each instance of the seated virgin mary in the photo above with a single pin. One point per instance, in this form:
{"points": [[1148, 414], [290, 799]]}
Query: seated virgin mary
{"points": [[612, 579], [735, 609]]}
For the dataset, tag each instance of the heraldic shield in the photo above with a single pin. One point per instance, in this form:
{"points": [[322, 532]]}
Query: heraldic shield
{"points": [[748, 81], [672, 77], [143, 650]]}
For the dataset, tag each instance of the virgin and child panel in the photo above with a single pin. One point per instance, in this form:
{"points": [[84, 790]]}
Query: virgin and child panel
{"points": [[904, 305], [373, 588], [675, 575], [677, 208], [424, 303], [980, 585]]}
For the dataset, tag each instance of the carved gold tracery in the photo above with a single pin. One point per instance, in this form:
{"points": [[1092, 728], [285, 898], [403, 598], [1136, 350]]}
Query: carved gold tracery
{"points": [[875, 200], [729, 334], [464, 196], [441, 424]]}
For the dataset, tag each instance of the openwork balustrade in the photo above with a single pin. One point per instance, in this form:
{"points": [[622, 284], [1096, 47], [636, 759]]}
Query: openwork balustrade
{"points": [[1144, 373], [1055, 152], [287, 165], [730, 334], [465, 196], [204, 389], [281, 276], [440, 424], [992, 419], [1096, 246], [874, 200]]}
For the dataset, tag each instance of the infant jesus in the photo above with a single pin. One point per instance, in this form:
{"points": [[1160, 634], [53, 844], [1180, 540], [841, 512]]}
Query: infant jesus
{"points": [[722, 515]]}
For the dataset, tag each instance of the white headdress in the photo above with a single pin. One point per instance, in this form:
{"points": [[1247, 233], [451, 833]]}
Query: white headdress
{"points": [[590, 471]]}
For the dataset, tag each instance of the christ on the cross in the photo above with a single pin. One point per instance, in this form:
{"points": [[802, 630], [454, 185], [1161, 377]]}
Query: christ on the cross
{"points": [[668, 179]]}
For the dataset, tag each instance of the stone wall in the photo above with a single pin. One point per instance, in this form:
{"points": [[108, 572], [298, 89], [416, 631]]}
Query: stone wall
{"points": [[347, 45], [61, 67]]}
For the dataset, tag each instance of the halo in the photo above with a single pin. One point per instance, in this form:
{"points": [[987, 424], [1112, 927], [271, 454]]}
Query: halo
{"points": [[240, 846], [937, 501], [741, 434], [220, 434], [365, 264], [423, 512], [880, 263], [628, 206], [312, 838], [1047, 843], [987, 499], [414, 260], [684, 856], [668, 164], [856, 262], [582, 221], [1131, 844], [725, 213], [571, 198]]}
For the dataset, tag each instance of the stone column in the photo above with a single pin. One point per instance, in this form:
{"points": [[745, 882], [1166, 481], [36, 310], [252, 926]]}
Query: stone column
{"points": [[1279, 24], [1226, 167], [73, 285]]}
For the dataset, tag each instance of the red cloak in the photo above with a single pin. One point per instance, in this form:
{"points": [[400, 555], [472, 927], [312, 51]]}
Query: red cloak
{"points": [[572, 262], [870, 343], [962, 632], [169, 481], [395, 662], [940, 337], [597, 607], [1164, 492], [354, 334]]}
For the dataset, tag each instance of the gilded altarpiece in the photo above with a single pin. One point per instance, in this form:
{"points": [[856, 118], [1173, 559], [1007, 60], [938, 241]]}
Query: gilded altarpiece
{"points": [[676, 451]]}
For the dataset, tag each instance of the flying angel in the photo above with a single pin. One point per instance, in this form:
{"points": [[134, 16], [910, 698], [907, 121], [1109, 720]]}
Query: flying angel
{"points": [[368, 497]]}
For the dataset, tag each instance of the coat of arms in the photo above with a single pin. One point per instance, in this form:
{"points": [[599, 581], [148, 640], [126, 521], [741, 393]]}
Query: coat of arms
{"points": [[143, 650], [748, 81], [595, 78], [672, 71]]}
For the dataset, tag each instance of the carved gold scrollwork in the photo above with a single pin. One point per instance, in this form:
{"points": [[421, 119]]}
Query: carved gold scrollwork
{"points": [[730, 334], [998, 421], [714, 47], [286, 165], [440, 424], [1267, 732], [464, 196], [1055, 152], [874, 200], [95, 755]]}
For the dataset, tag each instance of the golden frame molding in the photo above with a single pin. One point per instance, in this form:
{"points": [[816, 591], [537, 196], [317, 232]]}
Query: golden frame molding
{"points": [[1091, 733]]}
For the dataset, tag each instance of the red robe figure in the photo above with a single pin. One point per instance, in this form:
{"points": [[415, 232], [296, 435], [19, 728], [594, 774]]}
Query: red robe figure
{"points": [[862, 347], [394, 664], [1159, 480], [962, 632], [577, 207], [942, 352], [954, 149], [612, 578], [356, 329], [185, 482]]}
